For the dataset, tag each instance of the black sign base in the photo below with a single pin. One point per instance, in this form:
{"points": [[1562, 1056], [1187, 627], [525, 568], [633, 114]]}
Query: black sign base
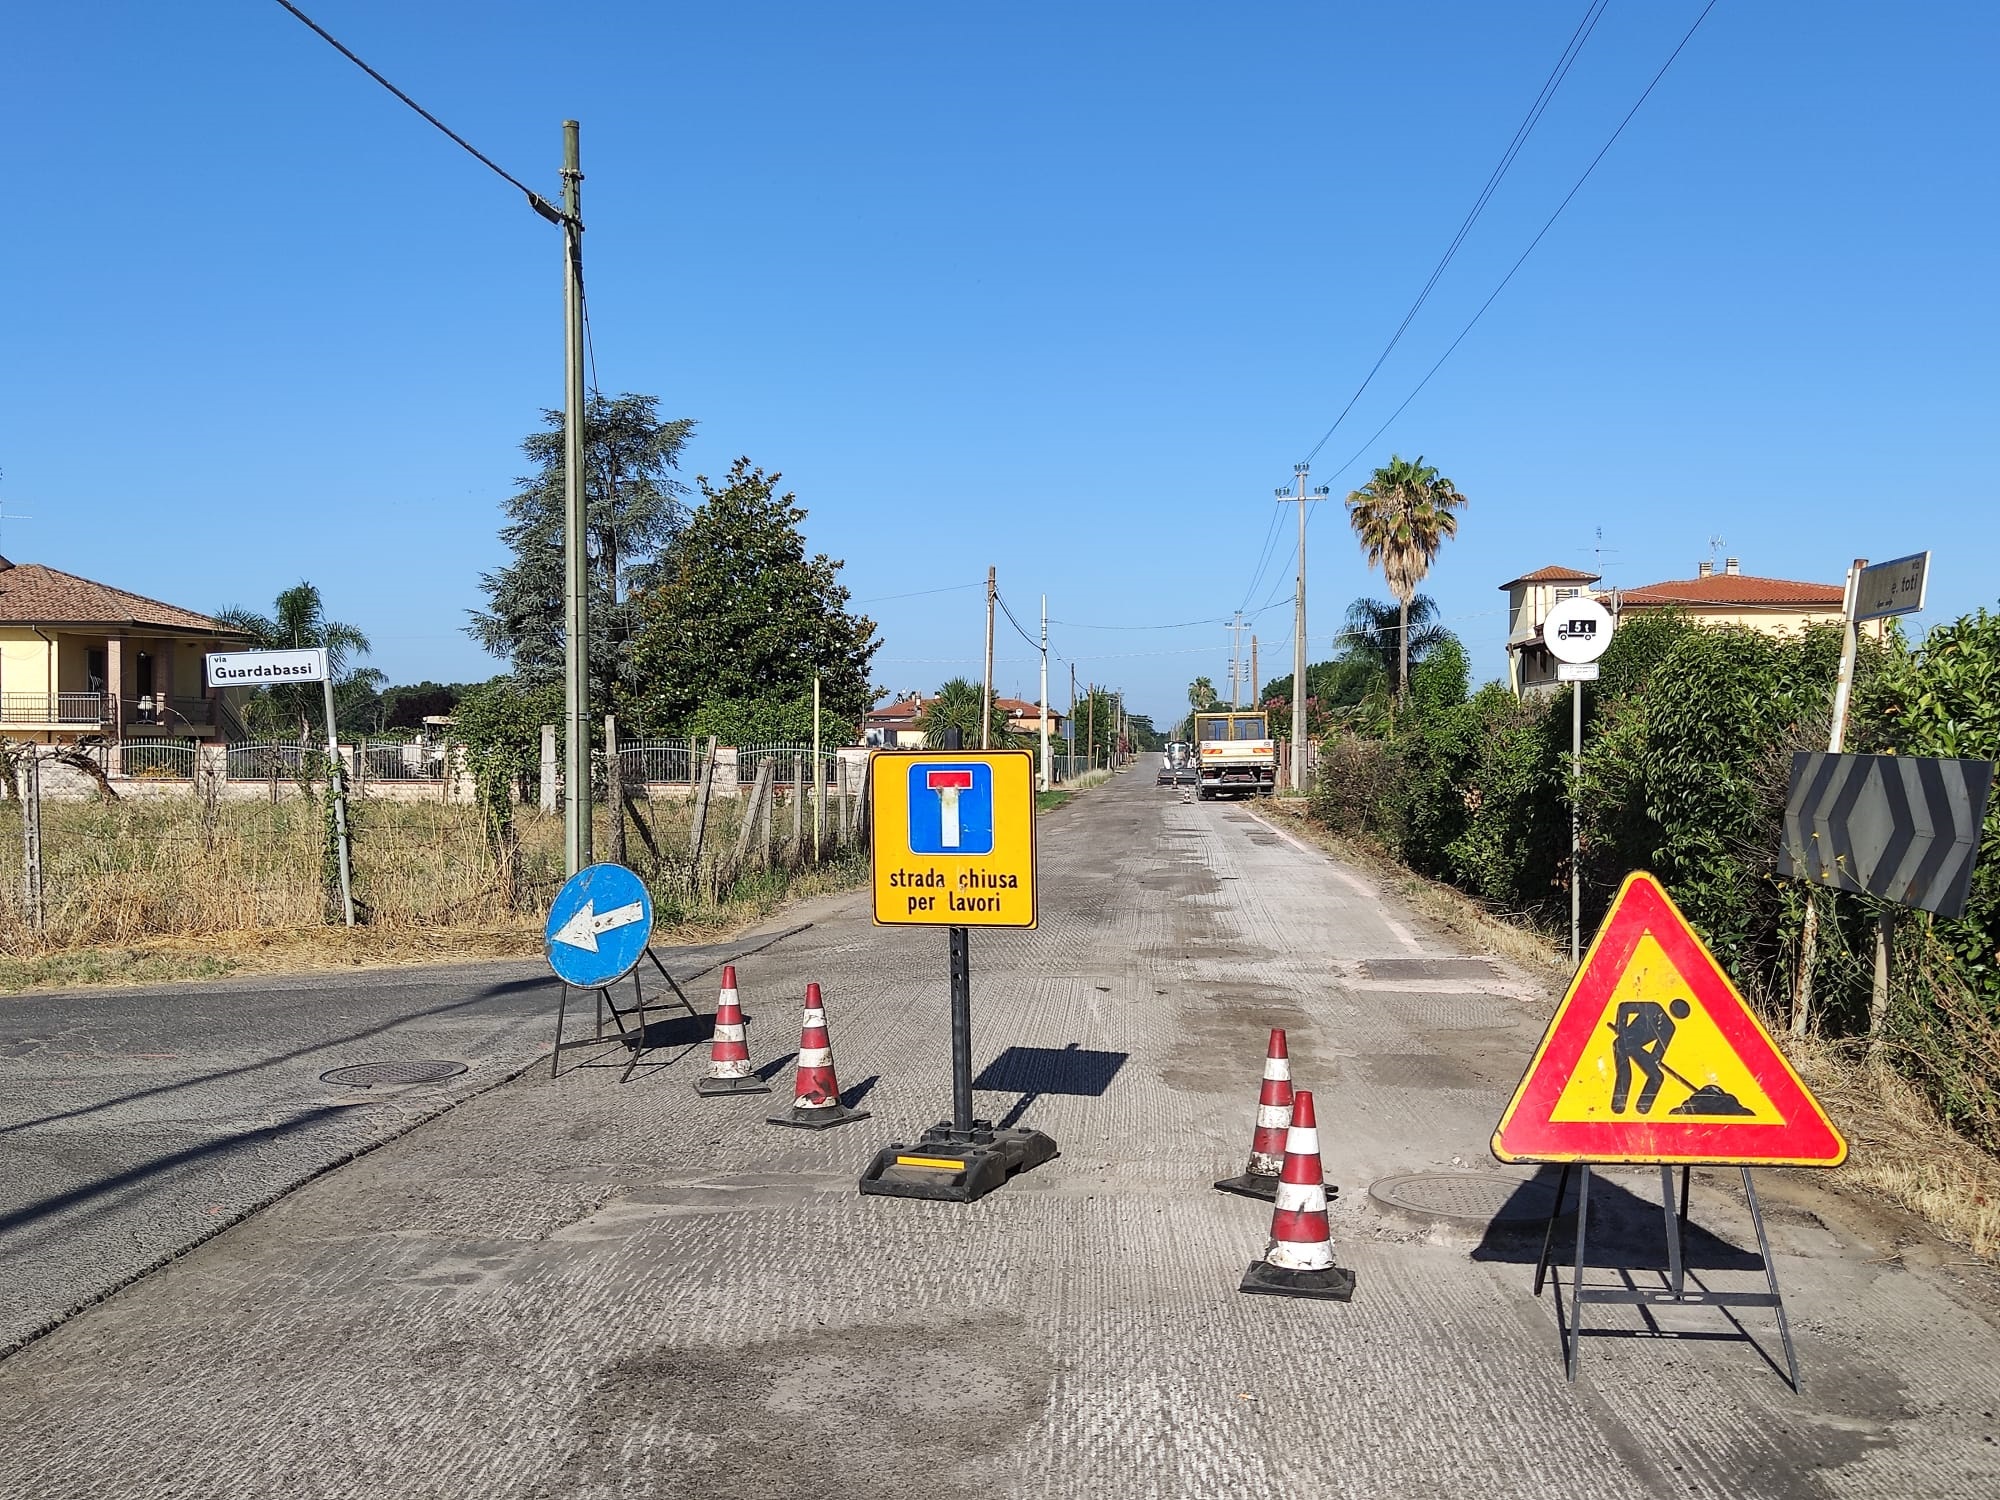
{"points": [[1257, 1185], [945, 1166], [1335, 1284]]}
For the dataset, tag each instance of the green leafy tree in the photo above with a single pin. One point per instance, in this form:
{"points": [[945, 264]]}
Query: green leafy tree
{"points": [[633, 509], [298, 620], [740, 618], [1402, 516]]}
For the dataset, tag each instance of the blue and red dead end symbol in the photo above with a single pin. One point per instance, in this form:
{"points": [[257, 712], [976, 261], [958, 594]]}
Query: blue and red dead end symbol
{"points": [[951, 809]]}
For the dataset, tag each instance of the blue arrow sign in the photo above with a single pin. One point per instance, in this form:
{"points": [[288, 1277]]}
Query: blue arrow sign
{"points": [[598, 926]]}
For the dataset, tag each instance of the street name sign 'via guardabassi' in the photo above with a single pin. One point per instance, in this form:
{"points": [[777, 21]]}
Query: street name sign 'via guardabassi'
{"points": [[262, 668], [952, 838]]}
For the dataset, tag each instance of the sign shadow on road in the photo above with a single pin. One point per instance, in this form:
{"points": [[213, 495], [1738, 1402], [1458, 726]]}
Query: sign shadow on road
{"points": [[1032, 1072]]}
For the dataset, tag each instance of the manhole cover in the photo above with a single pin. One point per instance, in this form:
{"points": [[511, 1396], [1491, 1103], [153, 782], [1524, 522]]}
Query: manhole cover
{"points": [[1476, 1197], [1426, 968], [377, 1074]]}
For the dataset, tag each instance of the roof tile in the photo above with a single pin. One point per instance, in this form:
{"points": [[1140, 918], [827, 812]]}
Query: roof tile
{"points": [[33, 594]]}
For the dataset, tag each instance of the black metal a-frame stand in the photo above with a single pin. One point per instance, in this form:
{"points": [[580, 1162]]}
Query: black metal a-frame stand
{"points": [[1676, 1292], [634, 1036]]}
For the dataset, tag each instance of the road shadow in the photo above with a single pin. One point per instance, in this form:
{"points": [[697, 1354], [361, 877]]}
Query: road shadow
{"points": [[853, 1096], [1627, 1231], [1032, 1072]]}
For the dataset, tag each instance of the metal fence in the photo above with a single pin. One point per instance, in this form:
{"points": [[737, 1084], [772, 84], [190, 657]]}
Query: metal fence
{"points": [[397, 760], [155, 760], [263, 762], [656, 761]]}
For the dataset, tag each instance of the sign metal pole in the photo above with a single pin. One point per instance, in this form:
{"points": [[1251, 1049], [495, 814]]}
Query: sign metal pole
{"points": [[337, 785], [961, 1033]]}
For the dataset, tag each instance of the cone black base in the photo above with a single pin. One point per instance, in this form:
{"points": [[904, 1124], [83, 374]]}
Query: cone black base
{"points": [[1255, 1185], [818, 1119], [1336, 1284], [749, 1083], [1252, 1185]]}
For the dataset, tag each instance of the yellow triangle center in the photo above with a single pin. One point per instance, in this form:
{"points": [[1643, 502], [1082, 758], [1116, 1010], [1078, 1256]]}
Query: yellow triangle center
{"points": [[1656, 1057]]}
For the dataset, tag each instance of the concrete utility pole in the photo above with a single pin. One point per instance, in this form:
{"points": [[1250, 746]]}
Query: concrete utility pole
{"points": [[576, 546], [1045, 692], [986, 693], [1299, 473], [1236, 661], [1071, 736], [1255, 685]]}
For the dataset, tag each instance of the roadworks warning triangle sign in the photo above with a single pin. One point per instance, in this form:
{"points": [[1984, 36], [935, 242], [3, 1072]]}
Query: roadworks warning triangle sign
{"points": [[1654, 1057]]}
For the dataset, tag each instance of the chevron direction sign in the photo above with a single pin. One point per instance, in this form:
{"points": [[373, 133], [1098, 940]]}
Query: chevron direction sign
{"points": [[1899, 827]]}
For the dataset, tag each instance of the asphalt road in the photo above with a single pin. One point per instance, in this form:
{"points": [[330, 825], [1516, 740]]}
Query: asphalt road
{"points": [[136, 1122], [573, 1288]]}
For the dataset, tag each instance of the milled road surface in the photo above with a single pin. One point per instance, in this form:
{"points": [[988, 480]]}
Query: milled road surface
{"points": [[136, 1122], [571, 1288]]}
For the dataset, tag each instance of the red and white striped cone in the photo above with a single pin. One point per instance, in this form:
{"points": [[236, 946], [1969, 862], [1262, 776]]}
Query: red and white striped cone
{"points": [[1274, 1117], [1299, 1260], [729, 1070], [816, 1092]]}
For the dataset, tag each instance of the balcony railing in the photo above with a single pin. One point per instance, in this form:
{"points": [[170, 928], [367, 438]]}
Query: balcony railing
{"points": [[52, 708]]}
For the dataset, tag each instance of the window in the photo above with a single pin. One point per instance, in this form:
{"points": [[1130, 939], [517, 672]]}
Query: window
{"points": [[1249, 727], [1562, 594]]}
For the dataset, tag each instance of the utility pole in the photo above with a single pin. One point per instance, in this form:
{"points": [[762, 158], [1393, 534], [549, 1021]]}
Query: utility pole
{"points": [[576, 549], [1045, 692], [1072, 718], [1090, 729], [1299, 473], [1236, 661], [986, 693], [1255, 680]]}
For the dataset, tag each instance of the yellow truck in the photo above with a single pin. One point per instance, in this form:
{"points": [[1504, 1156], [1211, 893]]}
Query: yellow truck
{"points": [[1236, 754]]}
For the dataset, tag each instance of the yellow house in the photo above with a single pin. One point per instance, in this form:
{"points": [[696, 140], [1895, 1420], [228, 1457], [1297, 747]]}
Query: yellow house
{"points": [[82, 660], [1774, 606]]}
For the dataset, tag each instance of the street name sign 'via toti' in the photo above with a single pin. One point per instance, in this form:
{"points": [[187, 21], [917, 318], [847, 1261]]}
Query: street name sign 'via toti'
{"points": [[599, 926], [1653, 1056], [952, 844]]}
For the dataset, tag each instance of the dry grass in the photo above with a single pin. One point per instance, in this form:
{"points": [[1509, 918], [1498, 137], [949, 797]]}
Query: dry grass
{"points": [[1899, 1149], [141, 892]]}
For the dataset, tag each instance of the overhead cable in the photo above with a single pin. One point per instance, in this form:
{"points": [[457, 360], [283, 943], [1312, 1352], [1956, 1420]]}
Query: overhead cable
{"points": [[536, 201]]}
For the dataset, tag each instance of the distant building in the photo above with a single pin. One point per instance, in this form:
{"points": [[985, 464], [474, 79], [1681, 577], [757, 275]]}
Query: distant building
{"points": [[1773, 606], [1024, 717], [1530, 597], [893, 726]]}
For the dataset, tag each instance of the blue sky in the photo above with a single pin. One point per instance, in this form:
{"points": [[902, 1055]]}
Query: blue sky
{"points": [[1062, 289]]}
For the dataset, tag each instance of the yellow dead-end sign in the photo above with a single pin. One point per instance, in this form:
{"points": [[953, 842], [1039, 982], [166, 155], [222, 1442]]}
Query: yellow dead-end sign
{"points": [[953, 837]]}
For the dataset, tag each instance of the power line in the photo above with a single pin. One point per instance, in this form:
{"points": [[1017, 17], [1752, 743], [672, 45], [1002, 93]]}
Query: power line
{"points": [[1592, 13], [536, 201], [950, 588], [1546, 227]]}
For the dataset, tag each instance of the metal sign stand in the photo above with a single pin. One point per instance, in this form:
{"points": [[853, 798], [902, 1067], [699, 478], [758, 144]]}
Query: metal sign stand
{"points": [[960, 1159], [633, 1036], [1675, 1293]]}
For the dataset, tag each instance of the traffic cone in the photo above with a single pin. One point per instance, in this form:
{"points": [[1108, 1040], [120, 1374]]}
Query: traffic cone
{"points": [[1299, 1261], [1274, 1117], [816, 1093], [729, 1070]]}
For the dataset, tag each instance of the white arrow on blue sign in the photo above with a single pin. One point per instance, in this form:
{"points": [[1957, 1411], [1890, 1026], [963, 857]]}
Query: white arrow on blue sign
{"points": [[598, 926]]}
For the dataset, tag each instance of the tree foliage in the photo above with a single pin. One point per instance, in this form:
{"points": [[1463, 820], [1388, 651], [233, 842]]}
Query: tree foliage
{"points": [[740, 618], [1402, 516], [955, 705], [633, 509], [298, 620]]}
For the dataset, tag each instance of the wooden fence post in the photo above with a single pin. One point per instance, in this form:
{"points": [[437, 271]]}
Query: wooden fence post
{"points": [[31, 837], [704, 778], [614, 789]]}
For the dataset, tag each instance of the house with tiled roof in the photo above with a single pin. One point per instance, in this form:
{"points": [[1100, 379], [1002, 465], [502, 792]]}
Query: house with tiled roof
{"points": [[1024, 717], [1773, 606], [81, 660], [1530, 597], [894, 725]]}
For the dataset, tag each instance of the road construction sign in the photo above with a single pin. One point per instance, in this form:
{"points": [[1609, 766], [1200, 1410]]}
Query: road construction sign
{"points": [[953, 836], [598, 926], [1653, 1056]]}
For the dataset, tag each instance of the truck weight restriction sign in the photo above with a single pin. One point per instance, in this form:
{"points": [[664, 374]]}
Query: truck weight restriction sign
{"points": [[953, 838]]}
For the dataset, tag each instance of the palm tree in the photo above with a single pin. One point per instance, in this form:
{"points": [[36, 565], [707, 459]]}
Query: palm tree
{"points": [[298, 621], [956, 706], [1375, 630], [1401, 516]]}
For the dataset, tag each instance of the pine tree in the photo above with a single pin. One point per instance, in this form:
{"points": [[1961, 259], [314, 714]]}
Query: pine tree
{"points": [[633, 510]]}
